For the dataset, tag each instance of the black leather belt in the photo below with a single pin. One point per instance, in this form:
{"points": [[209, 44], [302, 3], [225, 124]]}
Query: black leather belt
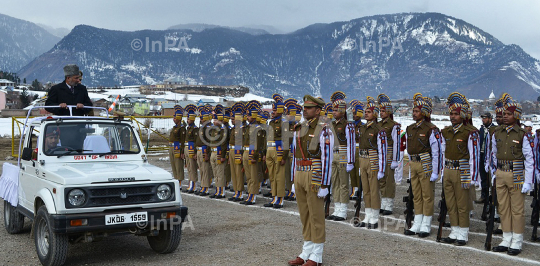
{"points": [[451, 163], [505, 165], [415, 157]]}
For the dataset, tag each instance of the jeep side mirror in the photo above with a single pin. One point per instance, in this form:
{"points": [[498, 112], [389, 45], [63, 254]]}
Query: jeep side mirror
{"points": [[26, 154]]}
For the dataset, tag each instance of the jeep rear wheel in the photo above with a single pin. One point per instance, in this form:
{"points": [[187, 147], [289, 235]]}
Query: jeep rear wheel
{"points": [[167, 239], [13, 220], [51, 248]]}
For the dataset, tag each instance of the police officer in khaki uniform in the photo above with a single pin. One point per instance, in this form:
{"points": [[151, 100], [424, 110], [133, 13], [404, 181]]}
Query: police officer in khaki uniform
{"points": [[176, 142], [275, 153], [425, 163], [343, 161], [357, 109], [512, 150], [291, 121], [203, 153], [392, 129], [252, 152], [190, 150], [228, 177], [235, 151], [460, 147], [219, 145], [373, 152], [312, 148]]}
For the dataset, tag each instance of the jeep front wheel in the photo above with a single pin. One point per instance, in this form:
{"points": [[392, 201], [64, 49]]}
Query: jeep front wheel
{"points": [[51, 248], [167, 239], [13, 220]]}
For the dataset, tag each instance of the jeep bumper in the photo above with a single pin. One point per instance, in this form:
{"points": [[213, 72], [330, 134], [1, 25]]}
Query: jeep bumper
{"points": [[96, 222]]}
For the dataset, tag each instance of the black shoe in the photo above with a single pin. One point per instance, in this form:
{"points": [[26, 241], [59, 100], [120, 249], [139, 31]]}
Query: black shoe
{"points": [[461, 243], [231, 198], [408, 232], [278, 206], [480, 201], [292, 199], [269, 194], [353, 198], [448, 240], [497, 231], [268, 205], [500, 249], [361, 224], [286, 198], [220, 196], [213, 196], [337, 218], [190, 191], [268, 186], [203, 194], [423, 234], [386, 212], [249, 203], [331, 217], [513, 252], [243, 202], [381, 211], [238, 199], [197, 192], [373, 226], [497, 220], [447, 225]]}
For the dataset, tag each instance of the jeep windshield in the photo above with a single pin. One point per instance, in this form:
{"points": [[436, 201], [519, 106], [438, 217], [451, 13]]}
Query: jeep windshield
{"points": [[75, 138]]}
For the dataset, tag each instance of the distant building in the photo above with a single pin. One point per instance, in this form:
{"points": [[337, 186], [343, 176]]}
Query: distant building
{"points": [[175, 81], [5, 82]]}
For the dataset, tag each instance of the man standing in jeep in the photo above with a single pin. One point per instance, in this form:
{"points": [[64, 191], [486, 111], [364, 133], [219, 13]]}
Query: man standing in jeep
{"points": [[69, 92]]}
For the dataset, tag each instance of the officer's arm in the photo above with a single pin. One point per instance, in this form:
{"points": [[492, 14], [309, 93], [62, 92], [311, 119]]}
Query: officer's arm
{"points": [[529, 159], [436, 156], [473, 145]]}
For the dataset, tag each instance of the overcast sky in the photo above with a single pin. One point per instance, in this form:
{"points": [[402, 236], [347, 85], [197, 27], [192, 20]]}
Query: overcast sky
{"points": [[511, 21]]}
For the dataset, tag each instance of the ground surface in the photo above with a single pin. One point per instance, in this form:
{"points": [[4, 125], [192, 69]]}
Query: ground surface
{"points": [[218, 232]]}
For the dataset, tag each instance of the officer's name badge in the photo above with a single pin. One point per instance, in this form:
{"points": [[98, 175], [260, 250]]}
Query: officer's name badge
{"points": [[311, 136], [459, 140], [422, 135], [371, 134], [515, 141]]}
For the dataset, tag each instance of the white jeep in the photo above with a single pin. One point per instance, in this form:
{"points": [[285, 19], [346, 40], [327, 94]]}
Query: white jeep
{"points": [[94, 180]]}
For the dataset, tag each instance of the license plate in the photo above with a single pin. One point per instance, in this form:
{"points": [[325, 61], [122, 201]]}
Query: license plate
{"points": [[126, 218]]}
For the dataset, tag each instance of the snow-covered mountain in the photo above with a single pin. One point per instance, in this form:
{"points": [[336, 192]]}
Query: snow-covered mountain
{"points": [[403, 53], [21, 42]]}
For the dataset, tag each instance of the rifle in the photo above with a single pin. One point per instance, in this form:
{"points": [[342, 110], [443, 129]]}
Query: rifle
{"points": [[409, 204], [443, 210], [327, 205], [358, 205], [491, 220], [536, 208]]}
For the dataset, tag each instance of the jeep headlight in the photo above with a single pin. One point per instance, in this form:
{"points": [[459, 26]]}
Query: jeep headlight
{"points": [[76, 197], [164, 192]]}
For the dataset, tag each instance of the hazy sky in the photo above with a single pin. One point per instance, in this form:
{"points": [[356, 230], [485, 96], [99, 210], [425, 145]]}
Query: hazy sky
{"points": [[511, 21]]}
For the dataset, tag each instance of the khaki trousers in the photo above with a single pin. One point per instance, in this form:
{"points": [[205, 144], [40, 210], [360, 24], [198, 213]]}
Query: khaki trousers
{"points": [[177, 165], [388, 183], [310, 207], [288, 181], [457, 198], [228, 177], [251, 172], [276, 173], [370, 185], [237, 177], [205, 169], [511, 203], [423, 190], [354, 173], [340, 179], [218, 168], [191, 164]]}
